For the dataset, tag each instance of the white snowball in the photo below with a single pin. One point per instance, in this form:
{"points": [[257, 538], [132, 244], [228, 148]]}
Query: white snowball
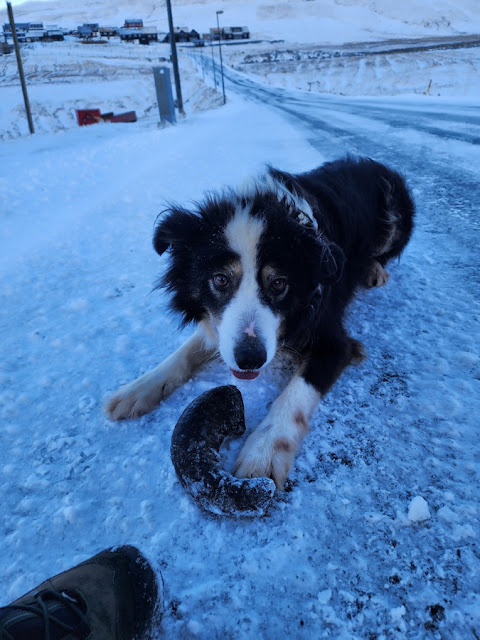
{"points": [[418, 510]]}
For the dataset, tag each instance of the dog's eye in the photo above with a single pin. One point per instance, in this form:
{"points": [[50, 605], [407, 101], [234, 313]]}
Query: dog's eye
{"points": [[221, 281], [278, 285]]}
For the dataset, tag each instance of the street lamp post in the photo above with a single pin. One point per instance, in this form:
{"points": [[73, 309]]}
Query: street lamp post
{"points": [[213, 65], [221, 58]]}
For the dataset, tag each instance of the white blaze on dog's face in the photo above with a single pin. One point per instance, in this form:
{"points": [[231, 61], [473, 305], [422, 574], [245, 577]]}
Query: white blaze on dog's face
{"points": [[247, 328]]}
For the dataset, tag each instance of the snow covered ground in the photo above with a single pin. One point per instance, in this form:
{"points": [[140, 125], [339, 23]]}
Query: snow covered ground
{"points": [[432, 66], [65, 76], [345, 48], [376, 536]]}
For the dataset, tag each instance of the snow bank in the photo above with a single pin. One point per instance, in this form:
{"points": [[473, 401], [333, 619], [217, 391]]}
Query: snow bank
{"points": [[118, 77]]}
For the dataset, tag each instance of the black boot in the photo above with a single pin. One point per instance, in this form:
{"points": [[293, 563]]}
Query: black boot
{"points": [[112, 596]]}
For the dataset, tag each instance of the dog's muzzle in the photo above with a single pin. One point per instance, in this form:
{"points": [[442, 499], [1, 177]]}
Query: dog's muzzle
{"points": [[250, 354]]}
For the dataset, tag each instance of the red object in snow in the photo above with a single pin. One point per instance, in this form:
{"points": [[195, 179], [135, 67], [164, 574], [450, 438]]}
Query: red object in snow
{"points": [[129, 116], [91, 116], [88, 116]]}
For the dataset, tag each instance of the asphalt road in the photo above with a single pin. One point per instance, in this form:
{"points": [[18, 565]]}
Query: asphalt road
{"points": [[447, 121]]}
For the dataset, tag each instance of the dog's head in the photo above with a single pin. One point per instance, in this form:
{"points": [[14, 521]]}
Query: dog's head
{"points": [[251, 263]]}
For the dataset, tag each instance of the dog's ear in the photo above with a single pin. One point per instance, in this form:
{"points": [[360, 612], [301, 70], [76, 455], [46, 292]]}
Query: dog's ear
{"points": [[291, 194], [174, 227], [323, 259], [287, 179]]}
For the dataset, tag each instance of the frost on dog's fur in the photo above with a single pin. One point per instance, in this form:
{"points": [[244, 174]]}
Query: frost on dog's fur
{"points": [[270, 183], [272, 266]]}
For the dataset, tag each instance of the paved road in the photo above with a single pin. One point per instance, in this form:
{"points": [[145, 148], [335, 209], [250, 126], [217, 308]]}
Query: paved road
{"points": [[448, 121]]}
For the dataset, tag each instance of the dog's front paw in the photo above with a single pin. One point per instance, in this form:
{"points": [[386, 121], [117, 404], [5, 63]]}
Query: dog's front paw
{"points": [[266, 455], [135, 400], [130, 404]]}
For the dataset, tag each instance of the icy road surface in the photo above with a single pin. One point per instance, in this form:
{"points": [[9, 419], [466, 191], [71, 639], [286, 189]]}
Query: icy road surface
{"points": [[376, 536]]}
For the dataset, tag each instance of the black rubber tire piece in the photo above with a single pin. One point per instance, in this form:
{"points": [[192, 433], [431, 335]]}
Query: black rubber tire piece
{"points": [[196, 440]]}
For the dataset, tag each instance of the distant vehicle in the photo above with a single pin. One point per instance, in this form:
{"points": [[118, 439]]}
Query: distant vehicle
{"points": [[197, 42], [235, 33]]}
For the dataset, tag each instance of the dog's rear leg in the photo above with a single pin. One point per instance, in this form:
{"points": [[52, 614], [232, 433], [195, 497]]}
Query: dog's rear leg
{"points": [[144, 394], [357, 351], [377, 276]]}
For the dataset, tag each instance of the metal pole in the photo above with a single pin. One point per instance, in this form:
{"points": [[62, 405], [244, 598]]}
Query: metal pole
{"points": [[213, 66], [173, 47], [221, 59], [20, 67]]}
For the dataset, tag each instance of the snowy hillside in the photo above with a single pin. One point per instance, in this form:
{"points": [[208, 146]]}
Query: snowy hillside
{"points": [[319, 21]]}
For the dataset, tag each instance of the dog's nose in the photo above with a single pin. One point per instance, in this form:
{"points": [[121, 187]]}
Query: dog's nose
{"points": [[250, 353]]}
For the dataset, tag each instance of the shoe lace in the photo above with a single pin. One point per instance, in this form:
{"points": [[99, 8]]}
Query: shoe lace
{"points": [[41, 609]]}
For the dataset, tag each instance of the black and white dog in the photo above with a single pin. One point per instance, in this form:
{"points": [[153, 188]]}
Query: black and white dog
{"points": [[273, 266]]}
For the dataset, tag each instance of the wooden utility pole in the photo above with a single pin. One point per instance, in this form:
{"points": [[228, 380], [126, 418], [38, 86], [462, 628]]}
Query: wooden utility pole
{"points": [[173, 47], [221, 58], [20, 67]]}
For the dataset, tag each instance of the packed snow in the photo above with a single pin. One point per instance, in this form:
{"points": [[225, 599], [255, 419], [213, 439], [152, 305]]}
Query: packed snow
{"points": [[376, 534]]}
